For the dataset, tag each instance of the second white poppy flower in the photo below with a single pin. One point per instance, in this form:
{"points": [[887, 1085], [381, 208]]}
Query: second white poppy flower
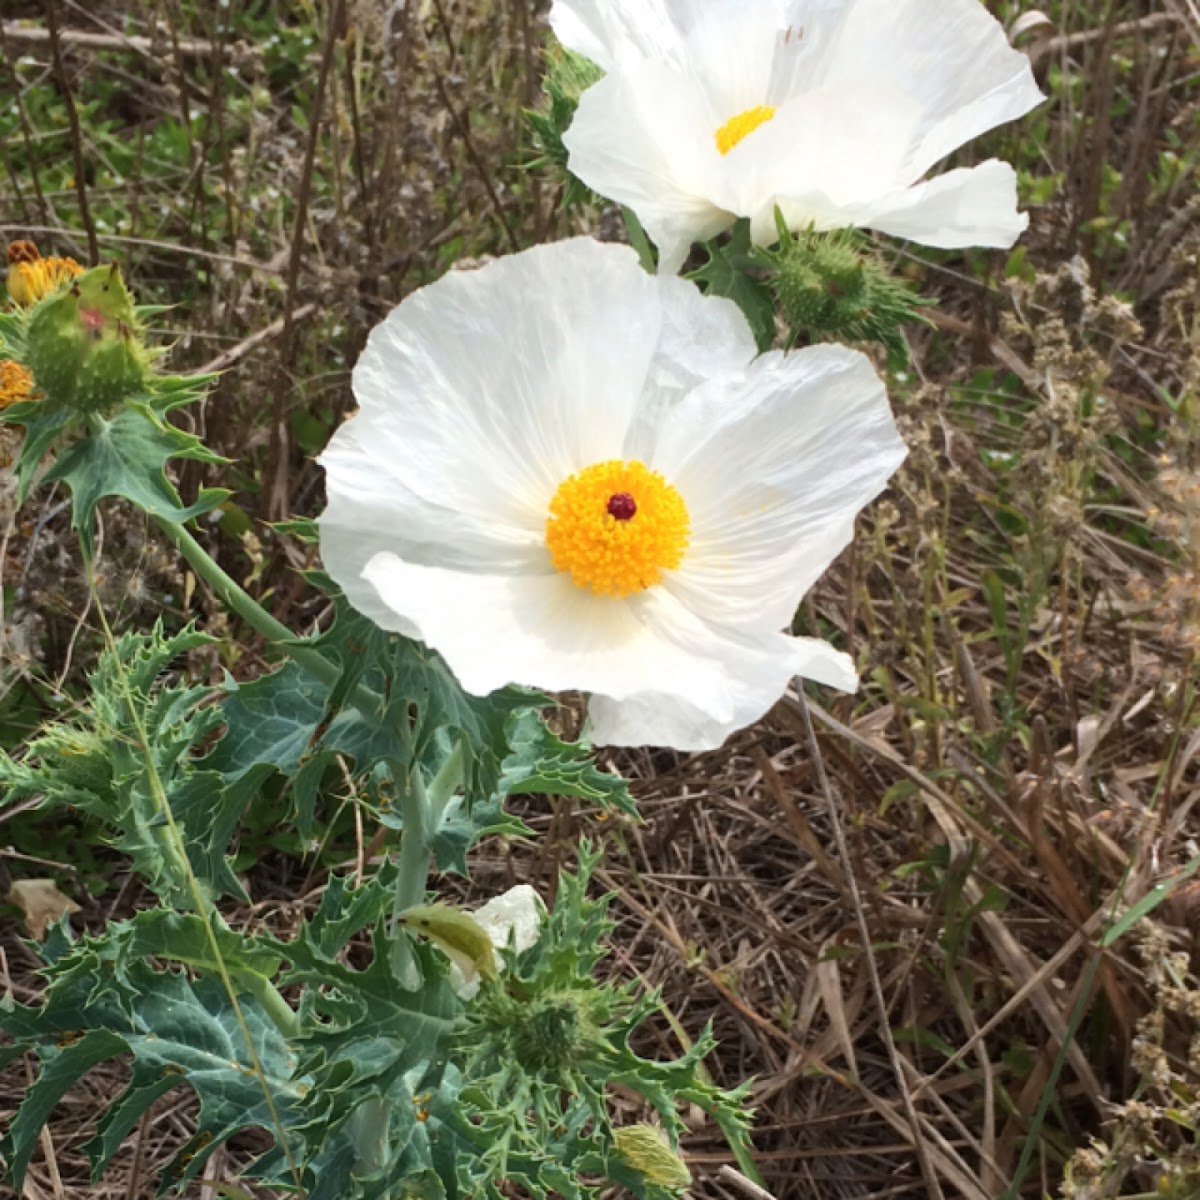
{"points": [[831, 111]]}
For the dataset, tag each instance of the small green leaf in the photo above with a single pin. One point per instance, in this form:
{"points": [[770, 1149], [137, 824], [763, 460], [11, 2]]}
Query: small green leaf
{"points": [[735, 270]]}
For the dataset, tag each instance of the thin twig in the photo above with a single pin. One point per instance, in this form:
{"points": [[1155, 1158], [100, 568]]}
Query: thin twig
{"points": [[235, 354], [151, 48], [64, 85], [275, 489]]}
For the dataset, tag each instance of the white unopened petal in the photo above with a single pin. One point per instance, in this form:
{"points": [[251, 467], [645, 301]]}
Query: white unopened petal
{"points": [[514, 918], [973, 206], [774, 466]]}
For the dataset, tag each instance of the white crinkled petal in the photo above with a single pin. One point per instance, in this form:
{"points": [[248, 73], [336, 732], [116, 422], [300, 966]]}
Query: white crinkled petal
{"points": [[545, 632], [760, 674], [852, 146], [509, 369], [642, 138], [870, 94], [610, 32], [774, 465], [973, 206], [952, 57], [369, 507]]}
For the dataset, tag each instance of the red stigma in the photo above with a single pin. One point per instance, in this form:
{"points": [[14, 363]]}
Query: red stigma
{"points": [[622, 506]]}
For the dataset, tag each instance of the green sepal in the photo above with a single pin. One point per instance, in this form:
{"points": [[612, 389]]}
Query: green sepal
{"points": [[735, 270], [456, 933], [568, 76]]}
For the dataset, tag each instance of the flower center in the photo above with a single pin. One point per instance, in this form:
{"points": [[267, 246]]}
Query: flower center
{"points": [[742, 126], [616, 527]]}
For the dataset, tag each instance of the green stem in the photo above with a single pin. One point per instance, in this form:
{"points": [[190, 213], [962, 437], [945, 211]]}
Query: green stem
{"points": [[257, 617], [272, 1003], [445, 783], [414, 843]]}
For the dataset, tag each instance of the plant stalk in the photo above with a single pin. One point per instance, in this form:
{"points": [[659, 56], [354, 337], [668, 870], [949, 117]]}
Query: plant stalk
{"points": [[257, 617]]}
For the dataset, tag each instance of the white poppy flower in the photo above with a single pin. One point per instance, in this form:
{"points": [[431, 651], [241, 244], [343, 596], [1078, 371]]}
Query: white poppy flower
{"points": [[513, 920], [569, 474], [832, 110]]}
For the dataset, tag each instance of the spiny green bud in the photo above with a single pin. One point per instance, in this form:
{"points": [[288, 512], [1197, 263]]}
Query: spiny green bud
{"points": [[648, 1152], [84, 344], [832, 285], [821, 283], [553, 1032]]}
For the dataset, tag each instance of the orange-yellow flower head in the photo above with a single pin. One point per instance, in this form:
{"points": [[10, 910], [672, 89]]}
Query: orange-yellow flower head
{"points": [[16, 383], [32, 278]]}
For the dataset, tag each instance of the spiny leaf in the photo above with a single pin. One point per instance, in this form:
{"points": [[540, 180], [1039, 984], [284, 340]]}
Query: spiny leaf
{"points": [[541, 762], [126, 455], [122, 751]]}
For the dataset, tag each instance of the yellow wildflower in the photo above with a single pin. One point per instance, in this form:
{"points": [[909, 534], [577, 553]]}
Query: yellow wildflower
{"points": [[16, 383], [32, 278]]}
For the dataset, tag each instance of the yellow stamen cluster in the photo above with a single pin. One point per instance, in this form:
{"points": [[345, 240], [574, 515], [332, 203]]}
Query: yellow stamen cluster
{"points": [[16, 382], [742, 126], [617, 555], [32, 278]]}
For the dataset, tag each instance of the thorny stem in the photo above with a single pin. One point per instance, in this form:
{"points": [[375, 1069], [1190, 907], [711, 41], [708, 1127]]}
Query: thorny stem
{"points": [[257, 617], [421, 808]]}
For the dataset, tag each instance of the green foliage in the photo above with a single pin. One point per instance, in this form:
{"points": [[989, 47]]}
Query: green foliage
{"points": [[121, 756], [568, 76], [371, 1090], [543, 1047], [105, 1001], [540, 762], [735, 269], [121, 451]]}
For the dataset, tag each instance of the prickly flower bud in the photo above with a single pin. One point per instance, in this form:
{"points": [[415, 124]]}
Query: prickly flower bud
{"points": [[84, 344], [648, 1152], [821, 283], [32, 278], [832, 285]]}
